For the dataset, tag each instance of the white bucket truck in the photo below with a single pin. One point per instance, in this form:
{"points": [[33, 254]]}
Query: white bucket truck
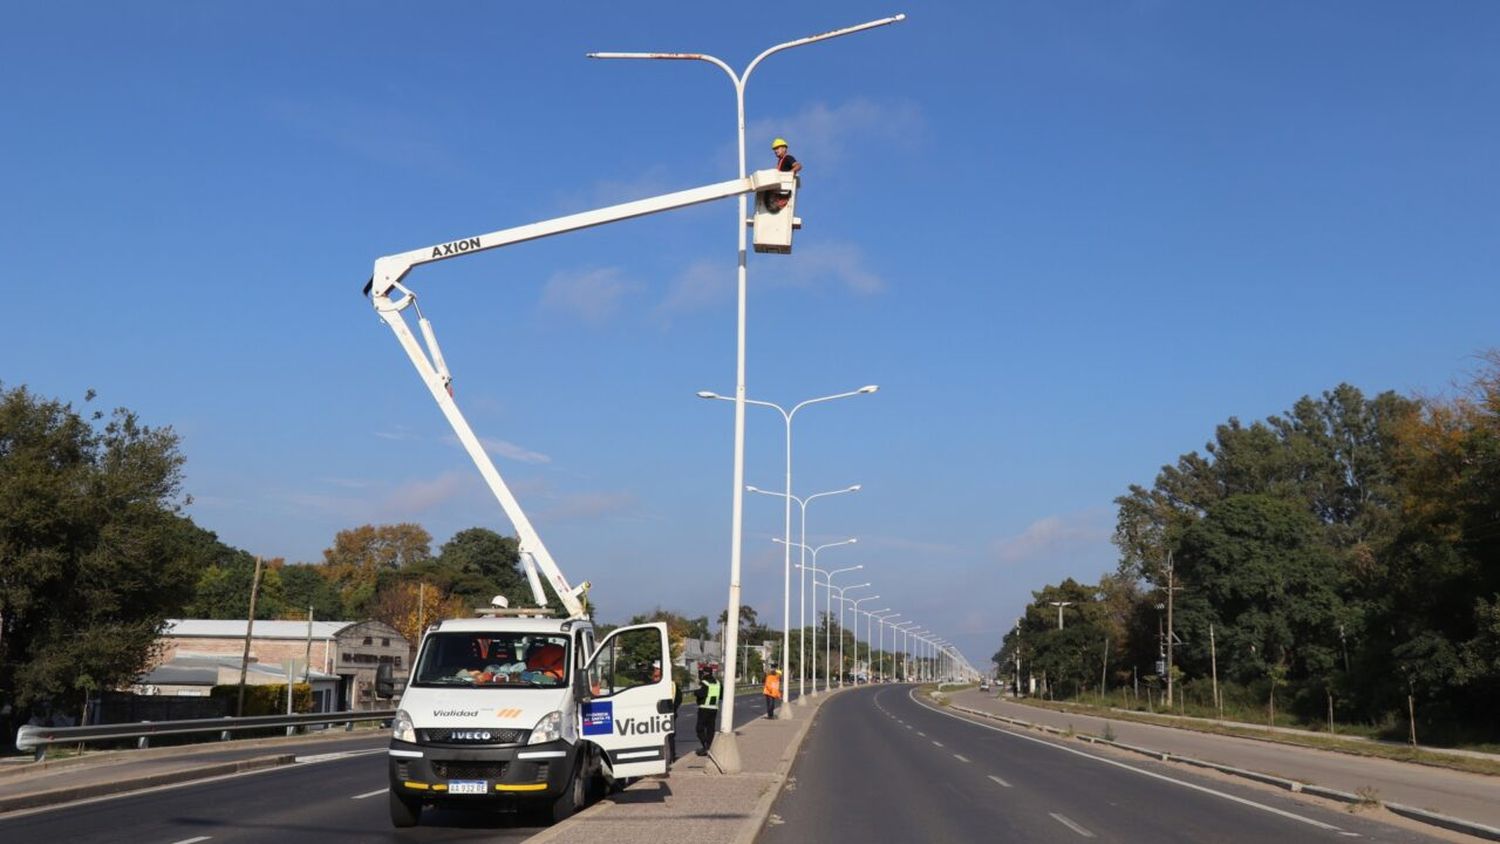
{"points": [[516, 706]]}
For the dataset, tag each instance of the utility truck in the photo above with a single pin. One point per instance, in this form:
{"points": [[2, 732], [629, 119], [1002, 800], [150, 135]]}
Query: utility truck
{"points": [[517, 706]]}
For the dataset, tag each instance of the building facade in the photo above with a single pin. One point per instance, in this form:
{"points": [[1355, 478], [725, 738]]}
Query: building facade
{"points": [[348, 650]]}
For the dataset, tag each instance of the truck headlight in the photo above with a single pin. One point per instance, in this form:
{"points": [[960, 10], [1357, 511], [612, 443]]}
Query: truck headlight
{"points": [[402, 728], [547, 729]]}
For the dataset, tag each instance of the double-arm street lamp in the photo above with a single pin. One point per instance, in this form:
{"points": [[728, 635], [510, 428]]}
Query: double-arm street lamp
{"points": [[786, 602], [883, 652], [802, 555], [725, 750], [870, 616], [855, 602], [803, 569], [904, 628], [842, 599], [828, 612]]}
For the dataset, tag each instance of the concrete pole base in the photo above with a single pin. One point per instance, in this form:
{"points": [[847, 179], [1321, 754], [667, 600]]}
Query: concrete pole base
{"points": [[725, 753], [784, 711]]}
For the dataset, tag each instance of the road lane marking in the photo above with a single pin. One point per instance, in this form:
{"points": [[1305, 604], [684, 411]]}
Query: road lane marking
{"points": [[960, 758], [1071, 824], [937, 743], [1000, 782], [1142, 771], [922, 734], [371, 794], [193, 840]]}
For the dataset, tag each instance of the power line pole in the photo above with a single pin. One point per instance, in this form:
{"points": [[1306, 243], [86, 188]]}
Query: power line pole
{"points": [[1170, 590], [239, 708]]}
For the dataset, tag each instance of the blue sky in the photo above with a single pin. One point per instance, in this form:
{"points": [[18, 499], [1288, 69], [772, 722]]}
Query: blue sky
{"points": [[1065, 238]]}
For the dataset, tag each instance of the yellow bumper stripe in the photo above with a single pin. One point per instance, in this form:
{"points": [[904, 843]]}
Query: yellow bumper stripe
{"points": [[541, 786]]}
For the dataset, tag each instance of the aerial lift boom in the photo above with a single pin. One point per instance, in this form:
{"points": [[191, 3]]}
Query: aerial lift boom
{"points": [[391, 271]]}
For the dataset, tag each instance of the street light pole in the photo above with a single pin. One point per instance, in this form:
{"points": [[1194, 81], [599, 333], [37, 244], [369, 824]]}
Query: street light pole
{"points": [[803, 567], [827, 637], [801, 578], [842, 628], [883, 652], [870, 616], [1060, 605], [855, 602], [904, 628], [725, 751], [786, 563]]}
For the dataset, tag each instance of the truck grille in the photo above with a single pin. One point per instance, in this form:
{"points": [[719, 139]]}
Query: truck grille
{"points": [[469, 770], [471, 737]]}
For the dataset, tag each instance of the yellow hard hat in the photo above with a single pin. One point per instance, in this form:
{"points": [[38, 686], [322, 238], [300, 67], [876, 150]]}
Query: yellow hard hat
{"points": [[779, 142]]}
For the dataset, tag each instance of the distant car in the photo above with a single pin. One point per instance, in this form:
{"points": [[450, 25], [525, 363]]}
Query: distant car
{"points": [[984, 685]]}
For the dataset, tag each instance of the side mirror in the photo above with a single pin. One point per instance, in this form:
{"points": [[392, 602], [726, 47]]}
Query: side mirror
{"points": [[581, 691], [385, 680]]}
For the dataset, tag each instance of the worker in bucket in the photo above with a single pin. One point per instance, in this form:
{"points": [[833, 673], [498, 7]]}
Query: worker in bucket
{"points": [[786, 164]]}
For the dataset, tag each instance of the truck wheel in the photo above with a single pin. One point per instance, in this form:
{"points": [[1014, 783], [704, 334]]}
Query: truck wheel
{"points": [[572, 798], [404, 812]]}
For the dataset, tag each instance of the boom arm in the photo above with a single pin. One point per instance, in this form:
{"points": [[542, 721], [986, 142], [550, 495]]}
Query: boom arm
{"points": [[391, 270]]}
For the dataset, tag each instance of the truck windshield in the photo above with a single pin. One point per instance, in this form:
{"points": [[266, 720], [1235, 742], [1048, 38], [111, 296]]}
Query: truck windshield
{"points": [[492, 660]]}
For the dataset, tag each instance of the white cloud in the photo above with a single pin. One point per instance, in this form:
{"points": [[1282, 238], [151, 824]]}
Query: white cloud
{"points": [[592, 295], [587, 506], [1054, 535], [820, 134], [708, 284], [419, 496], [505, 449]]}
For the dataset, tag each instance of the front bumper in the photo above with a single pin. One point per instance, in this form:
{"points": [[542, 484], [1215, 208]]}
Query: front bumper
{"points": [[509, 772]]}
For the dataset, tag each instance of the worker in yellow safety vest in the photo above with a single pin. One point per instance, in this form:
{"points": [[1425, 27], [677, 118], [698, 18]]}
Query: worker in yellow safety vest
{"points": [[707, 694]]}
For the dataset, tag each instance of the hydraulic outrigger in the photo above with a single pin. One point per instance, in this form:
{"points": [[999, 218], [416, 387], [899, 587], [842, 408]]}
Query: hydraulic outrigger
{"points": [[391, 271]]}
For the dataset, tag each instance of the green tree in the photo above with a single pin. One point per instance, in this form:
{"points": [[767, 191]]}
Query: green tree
{"points": [[223, 588], [360, 555], [94, 552], [305, 585], [480, 563]]}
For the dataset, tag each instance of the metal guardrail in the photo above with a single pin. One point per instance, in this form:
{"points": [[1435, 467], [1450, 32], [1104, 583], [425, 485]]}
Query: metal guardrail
{"points": [[38, 739]]}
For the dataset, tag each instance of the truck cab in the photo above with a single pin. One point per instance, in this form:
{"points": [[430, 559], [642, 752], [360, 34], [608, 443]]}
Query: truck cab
{"points": [[517, 710]]}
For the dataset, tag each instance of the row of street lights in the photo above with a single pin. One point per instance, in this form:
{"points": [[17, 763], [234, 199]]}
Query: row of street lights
{"points": [[725, 750]]}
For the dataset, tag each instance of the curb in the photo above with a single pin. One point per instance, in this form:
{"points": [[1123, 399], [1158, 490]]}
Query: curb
{"points": [[756, 820], [1448, 822], [52, 797], [1477, 830]]}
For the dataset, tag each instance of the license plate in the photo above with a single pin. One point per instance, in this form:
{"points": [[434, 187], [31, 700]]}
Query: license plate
{"points": [[468, 787]]}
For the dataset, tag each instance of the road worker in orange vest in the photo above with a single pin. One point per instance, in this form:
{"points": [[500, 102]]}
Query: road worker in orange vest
{"points": [[772, 690]]}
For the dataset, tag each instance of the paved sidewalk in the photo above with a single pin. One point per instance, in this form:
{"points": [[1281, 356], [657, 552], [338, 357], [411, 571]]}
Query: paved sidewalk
{"points": [[696, 803]]}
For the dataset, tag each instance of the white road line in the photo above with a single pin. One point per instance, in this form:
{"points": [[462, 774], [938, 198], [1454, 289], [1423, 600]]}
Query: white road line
{"points": [[908, 726], [922, 734], [371, 794], [960, 758], [937, 743], [1071, 824], [1142, 771], [1000, 782], [193, 840]]}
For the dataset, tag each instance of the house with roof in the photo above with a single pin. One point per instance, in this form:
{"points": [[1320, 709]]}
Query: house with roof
{"points": [[348, 652]]}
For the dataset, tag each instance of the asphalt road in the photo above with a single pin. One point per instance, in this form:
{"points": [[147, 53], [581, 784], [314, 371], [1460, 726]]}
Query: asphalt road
{"points": [[1471, 796], [338, 798], [878, 766]]}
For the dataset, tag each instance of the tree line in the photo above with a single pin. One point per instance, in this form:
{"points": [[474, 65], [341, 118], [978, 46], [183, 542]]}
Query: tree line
{"points": [[96, 553], [1337, 558]]}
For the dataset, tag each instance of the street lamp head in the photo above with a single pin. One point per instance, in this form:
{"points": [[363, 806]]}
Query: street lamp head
{"points": [[869, 388], [855, 488], [748, 487], [708, 394], [853, 539]]}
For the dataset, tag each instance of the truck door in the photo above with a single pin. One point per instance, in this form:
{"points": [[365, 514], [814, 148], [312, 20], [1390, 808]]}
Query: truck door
{"points": [[629, 712]]}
